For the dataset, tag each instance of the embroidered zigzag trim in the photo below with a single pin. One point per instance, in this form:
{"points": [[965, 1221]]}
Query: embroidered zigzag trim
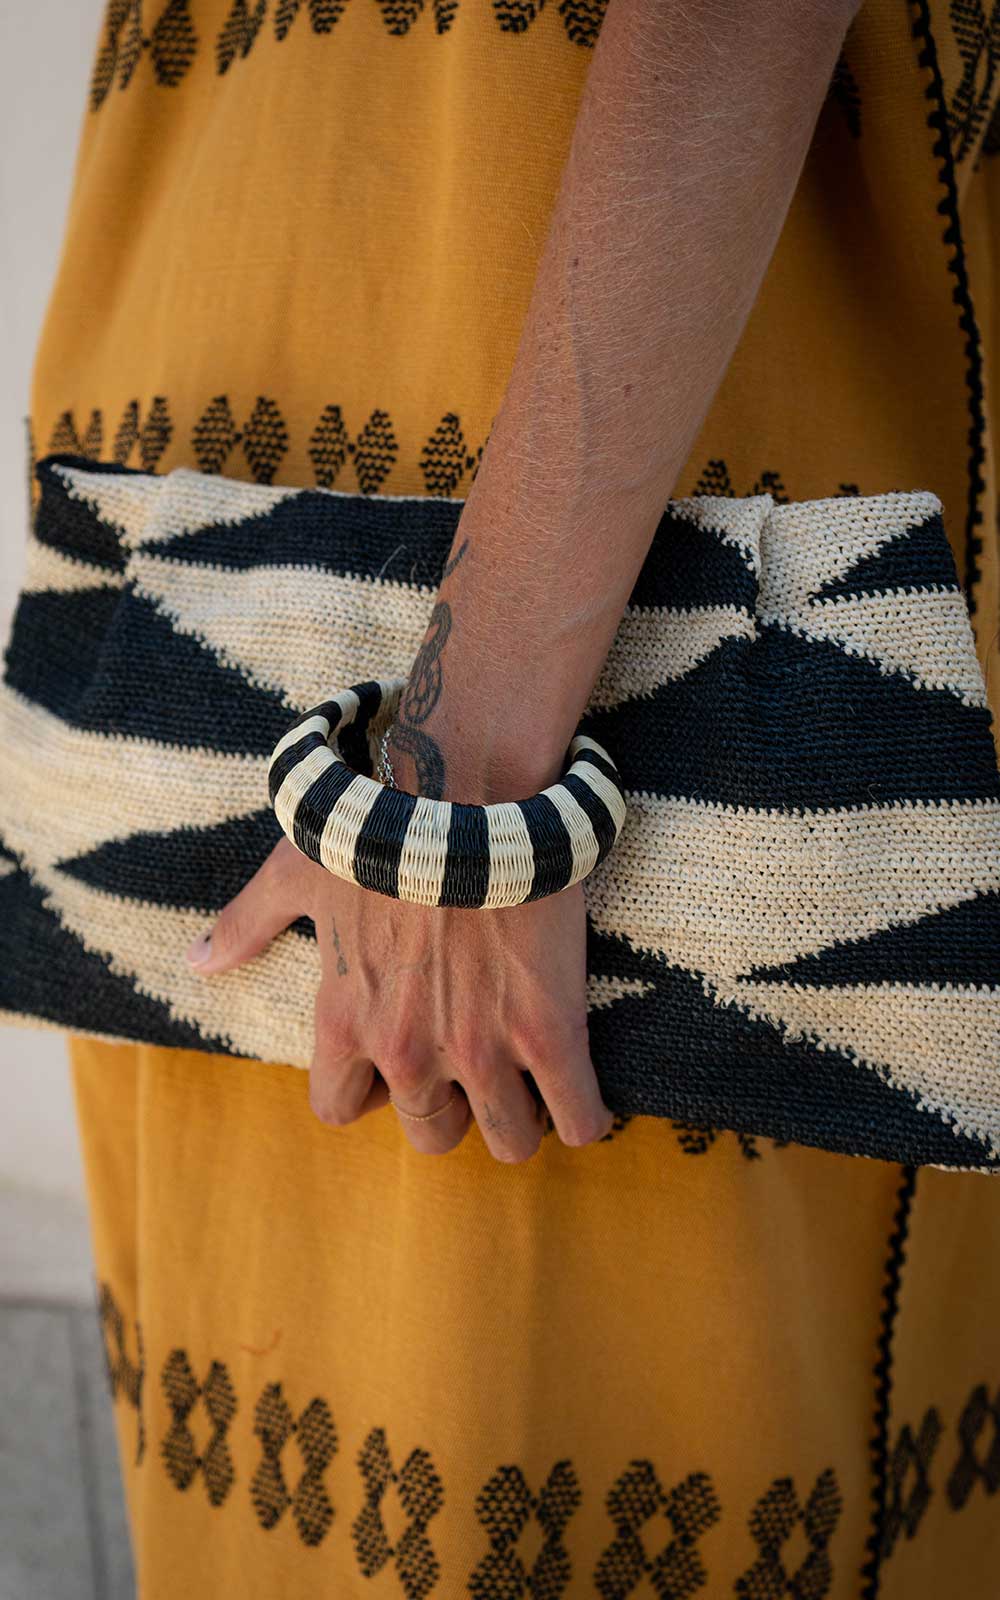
{"points": [[871, 1571], [937, 120]]}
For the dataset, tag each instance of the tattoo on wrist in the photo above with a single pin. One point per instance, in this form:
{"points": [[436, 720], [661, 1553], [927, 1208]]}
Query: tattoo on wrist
{"points": [[421, 695]]}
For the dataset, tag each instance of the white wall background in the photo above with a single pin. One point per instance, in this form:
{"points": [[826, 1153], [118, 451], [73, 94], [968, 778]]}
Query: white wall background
{"points": [[46, 51]]}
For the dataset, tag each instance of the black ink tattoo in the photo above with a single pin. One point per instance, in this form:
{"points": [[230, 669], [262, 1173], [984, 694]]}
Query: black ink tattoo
{"points": [[427, 758], [423, 688], [493, 1122], [421, 695], [341, 958], [456, 558]]}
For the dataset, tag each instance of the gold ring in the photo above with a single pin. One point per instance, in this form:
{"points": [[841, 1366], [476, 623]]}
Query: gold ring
{"points": [[424, 1116]]}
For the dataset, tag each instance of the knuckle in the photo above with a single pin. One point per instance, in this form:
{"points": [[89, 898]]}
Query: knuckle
{"points": [[478, 1072], [550, 1035], [405, 1068], [531, 1036], [334, 1030], [570, 1034], [464, 1045]]}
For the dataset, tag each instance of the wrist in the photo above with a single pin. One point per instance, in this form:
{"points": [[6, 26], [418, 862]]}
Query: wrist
{"points": [[472, 761]]}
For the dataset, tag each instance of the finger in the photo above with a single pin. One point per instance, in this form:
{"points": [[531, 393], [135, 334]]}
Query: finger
{"points": [[565, 1075], [343, 1082], [418, 1091], [509, 1117], [450, 1119], [264, 907], [343, 1092]]}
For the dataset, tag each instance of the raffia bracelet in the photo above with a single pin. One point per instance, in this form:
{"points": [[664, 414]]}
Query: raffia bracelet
{"points": [[435, 852]]}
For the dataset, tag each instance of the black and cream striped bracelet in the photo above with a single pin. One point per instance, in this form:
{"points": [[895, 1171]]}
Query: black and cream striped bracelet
{"points": [[435, 852]]}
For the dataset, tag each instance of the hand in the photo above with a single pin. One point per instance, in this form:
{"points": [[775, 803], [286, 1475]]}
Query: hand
{"points": [[413, 998]]}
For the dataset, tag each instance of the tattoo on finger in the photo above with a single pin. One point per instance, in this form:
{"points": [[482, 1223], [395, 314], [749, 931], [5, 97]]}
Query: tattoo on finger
{"points": [[494, 1123], [341, 958]]}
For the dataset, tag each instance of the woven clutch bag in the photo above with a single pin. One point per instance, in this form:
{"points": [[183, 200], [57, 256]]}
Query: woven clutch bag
{"points": [[797, 933]]}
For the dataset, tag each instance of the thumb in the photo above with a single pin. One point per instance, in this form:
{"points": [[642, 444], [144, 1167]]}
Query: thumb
{"points": [[264, 907]]}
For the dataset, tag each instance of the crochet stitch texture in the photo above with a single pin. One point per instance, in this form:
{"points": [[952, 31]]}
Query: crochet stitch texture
{"points": [[798, 931]]}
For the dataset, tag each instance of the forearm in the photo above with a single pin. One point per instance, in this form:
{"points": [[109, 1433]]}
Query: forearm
{"points": [[691, 133]]}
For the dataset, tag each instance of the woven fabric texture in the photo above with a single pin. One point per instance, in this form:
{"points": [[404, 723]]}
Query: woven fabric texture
{"points": [[797, 933]]}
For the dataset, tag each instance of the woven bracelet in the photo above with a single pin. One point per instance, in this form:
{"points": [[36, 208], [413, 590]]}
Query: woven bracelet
{"points": [[435, 852]]}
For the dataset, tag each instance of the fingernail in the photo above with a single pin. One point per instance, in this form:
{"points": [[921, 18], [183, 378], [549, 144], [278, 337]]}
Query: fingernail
{"points": [[199, 951]]}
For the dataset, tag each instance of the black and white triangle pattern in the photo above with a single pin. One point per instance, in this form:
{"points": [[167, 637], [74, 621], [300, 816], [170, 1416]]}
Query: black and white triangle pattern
{"points": [[797, 933]]}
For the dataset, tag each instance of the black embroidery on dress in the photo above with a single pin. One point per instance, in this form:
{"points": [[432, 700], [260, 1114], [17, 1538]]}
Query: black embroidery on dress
{"points": [[400, 15], [446, 457], [844, 90], [505, 1505], [147, 437], [125, 1376], [716, 479], [909, 1485], [322, 14], [991, 139], [696, 1141], [329, 446], [772, 1521], [178, 1449], [66, 438], [421, 1495], [374, 452], [137, 438], [634, 1500], [264, 437], [619, 1119], [238, 32], [937, 121], [316, 1437], [529, 1553], [979, 1456], [978, 39], [582, 20], [879, 1446], [172, 44], [142, 440]]}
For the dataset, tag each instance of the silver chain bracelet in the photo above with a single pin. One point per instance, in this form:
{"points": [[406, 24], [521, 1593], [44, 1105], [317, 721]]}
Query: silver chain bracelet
{"points": [[384, 771]]}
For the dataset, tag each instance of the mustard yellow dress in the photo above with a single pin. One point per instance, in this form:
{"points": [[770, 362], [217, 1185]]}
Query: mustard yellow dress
{"points": [[300, 247]]}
